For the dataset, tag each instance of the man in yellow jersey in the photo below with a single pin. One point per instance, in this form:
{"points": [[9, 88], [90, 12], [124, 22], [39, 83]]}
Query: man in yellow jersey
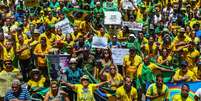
{"points": [[126, 92], [131, 63], [24, 54], [158, 91], [84, 90], [183, 96]]}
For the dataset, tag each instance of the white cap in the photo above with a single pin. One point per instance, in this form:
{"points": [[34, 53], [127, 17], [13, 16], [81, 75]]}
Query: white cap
{"points": [[132, 35]]}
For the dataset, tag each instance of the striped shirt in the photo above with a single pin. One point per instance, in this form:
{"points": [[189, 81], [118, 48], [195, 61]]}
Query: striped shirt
{"points": [[23, 95]]}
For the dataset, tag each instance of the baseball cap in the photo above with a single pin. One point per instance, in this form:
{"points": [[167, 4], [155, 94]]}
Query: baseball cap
{"points": [[85, 77]]}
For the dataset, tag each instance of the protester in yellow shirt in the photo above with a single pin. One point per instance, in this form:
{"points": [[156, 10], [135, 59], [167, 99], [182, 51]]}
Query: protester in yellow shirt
{"points": [[101, 32], [154, 67], [84, 90], [126, 92], [192, 56], [37, 80], [24, 54], [183, 96], [49, 34], [158, 91], [115, 77], [35, 39], [181, 40], [151, 47], [41, 50], [50, 19], [9, 52], [76, 34], [131, 63], [8, 74], [165, 57], [183, 74]]}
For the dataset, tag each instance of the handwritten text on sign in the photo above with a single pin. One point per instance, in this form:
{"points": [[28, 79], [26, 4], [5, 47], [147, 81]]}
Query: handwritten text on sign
{"points": [[99, 42], [118, 54], [64, 26], [112, 18], [133, 25]]}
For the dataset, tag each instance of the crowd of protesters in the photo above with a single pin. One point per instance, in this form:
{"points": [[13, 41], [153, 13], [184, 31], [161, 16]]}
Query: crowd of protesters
{"points": [[167, 46]]}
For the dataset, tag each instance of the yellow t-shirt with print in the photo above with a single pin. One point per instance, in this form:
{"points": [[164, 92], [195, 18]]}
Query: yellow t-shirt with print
{"points": [[124, 96], [39, 84], [153, 90], [85, 94], [178, 75], [178, 97], [41, 61], [133, 63], [25, 54], [116, 80]]}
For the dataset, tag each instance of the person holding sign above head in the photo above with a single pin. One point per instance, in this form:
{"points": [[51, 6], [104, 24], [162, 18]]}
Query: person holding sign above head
{"points": [[84, 90]]}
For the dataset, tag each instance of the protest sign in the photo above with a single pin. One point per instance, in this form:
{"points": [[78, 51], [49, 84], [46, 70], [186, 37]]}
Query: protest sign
{"points": [[99, 42], [118, 54], [133, 25], [112, 18], [127, 5], [31, 3], [56, 63], [64, 25]]}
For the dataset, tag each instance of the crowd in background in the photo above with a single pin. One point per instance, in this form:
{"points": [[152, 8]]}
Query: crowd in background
{"points": [[166, 49]]}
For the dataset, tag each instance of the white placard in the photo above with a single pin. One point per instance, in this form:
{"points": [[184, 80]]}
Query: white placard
{"points": [[133, 25], [99, 42], [127, 5], [64, 25], [112, 18], [118, 55]]}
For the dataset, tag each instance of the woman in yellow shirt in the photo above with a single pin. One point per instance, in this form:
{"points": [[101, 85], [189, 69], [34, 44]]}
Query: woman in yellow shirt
{"points": [[113, 75], [165, 57]]}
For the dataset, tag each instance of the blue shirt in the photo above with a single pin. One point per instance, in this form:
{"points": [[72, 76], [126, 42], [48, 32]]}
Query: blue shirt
{"points": [[73, 76], [23, 95]]}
